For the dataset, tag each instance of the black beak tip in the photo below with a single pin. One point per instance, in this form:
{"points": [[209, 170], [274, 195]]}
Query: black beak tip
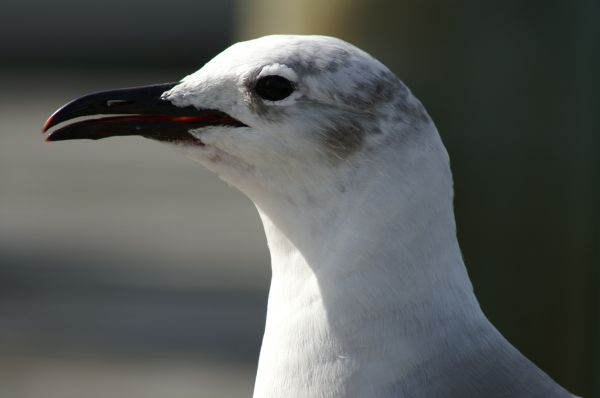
{"points": [[52, 137], [49, 123]]}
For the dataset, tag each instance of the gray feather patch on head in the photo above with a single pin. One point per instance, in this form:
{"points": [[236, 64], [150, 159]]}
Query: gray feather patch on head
{"points": [[353, 92], [380, 98]]}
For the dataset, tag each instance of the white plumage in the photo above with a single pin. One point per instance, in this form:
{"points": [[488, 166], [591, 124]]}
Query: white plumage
{"points": [[369, 294]]}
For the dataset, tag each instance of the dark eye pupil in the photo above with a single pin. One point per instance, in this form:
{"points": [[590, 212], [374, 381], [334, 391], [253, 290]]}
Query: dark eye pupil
{"points": [[274, 88]]}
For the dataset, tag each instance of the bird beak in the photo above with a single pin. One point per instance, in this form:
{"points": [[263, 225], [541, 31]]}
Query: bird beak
{"points": [[133, 111]]}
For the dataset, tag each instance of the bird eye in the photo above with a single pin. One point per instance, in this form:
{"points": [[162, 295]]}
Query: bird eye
{"points": [[274, 88]]}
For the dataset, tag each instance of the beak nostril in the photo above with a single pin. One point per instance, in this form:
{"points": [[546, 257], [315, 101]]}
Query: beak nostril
{"points": [[110, 103]]}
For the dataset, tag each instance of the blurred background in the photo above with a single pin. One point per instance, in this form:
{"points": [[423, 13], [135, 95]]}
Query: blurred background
{"points": [[128, 270]]}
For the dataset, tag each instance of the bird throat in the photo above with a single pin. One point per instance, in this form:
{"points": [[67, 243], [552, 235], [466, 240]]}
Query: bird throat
{"points": [[352, 308]]}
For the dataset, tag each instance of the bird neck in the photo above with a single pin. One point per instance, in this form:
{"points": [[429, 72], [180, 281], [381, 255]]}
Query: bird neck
{"points": [[366, 284]]}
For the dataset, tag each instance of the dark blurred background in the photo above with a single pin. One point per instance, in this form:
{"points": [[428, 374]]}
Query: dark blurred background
{"points": [[128, 270]]}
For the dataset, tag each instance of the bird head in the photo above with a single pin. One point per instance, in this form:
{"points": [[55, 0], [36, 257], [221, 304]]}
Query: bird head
{"points": [[268, 115]]}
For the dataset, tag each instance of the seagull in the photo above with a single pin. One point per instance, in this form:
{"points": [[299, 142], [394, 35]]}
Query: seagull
{"points": [[369, 295]]}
